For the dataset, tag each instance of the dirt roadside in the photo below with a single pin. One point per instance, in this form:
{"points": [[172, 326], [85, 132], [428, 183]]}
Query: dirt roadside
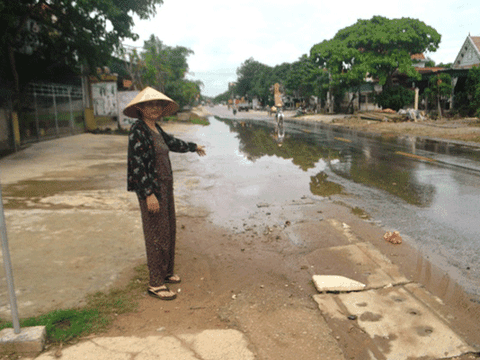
{"points": [[465, 129]]}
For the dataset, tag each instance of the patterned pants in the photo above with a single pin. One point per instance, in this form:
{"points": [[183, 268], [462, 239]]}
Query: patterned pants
{"points": [[159, 230]]}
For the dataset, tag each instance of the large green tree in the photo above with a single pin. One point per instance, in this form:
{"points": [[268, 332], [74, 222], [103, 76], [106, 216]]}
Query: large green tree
{"points": [[64, 32], [378, 48], [304, 78], [249, 78]]}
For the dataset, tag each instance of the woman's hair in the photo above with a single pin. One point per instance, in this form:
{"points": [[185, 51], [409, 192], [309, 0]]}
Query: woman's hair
{"points": [[139, 113]]}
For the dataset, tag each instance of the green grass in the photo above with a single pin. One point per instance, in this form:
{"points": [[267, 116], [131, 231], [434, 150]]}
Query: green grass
{"points": [[360, 212], [200, 121], [193, 119], [65, 325]]}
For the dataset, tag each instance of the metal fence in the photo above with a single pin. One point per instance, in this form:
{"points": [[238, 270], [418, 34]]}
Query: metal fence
{"points": [[51, 110]]}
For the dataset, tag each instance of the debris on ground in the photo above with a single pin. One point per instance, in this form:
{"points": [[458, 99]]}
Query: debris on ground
{"points": [[413, 114], [389, 115], [393, 237], [382, 116]]}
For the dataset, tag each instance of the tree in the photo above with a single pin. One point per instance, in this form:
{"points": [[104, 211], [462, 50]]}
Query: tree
{"points": [[263, 82], [134, 66], [164, 64], [377, 48], [65, 32], [249, 78], [280, 73], [440, 86], [223, 97], [468, 100], [304, 78], [446, 66], [342, 62], [394, 97], [165, 68]]}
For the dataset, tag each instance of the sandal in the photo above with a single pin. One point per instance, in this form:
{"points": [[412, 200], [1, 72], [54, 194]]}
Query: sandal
{"points": [[173, 279], [160, 293]]}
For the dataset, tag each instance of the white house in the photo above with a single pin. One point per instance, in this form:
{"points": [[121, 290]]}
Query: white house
{"points": [[469, 54]]}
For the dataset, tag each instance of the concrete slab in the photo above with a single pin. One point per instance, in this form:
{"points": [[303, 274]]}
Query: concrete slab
{"points": [[206, 345], [29, 342], [314, 234], [344, 229], [399, 325], [361, 262], [326, 283], [82, 257], [219, 345]]}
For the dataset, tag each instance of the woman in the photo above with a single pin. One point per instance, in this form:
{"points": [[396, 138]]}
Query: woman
{"points": [[150, 176]]}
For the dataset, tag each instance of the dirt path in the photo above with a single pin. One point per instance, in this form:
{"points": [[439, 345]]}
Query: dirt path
{"points": [[467, 130]]}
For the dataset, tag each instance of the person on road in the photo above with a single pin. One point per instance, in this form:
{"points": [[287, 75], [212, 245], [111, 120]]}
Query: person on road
{"points": [[149, 174]]}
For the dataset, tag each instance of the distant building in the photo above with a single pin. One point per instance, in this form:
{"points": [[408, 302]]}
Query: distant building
{"points": [[419, 60], [469, 54]]}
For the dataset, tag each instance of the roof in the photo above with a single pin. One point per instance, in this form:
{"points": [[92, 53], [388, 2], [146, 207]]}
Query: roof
{"points": [[476, 41], [426, 70], [417, 57], [473, 40]]}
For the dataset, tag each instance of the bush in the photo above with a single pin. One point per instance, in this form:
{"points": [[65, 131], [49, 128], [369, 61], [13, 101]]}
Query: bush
{"points": [[467, 101], [394, 98]]}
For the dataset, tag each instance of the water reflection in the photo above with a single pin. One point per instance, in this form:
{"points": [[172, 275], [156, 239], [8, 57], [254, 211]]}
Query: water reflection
{"points": [[394, 175], [433, 206], [357, 161], [279, 133], [319, 185], [258, 140]]}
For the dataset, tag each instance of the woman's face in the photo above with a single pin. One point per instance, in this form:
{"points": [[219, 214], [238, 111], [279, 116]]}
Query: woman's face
{"points": [[151, 110]]}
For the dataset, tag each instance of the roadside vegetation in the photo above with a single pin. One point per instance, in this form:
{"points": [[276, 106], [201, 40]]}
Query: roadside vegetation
{"points": [[67, 325], [360, 213], [164, 68], [72, 38], [375, 51], [190, 118]]}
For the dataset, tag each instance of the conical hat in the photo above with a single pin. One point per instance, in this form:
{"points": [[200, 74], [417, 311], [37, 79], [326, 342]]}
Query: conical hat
{"points": [[150, 94]]}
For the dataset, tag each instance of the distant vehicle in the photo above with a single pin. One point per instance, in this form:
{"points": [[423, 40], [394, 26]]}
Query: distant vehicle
{"points": [[244, 106]]}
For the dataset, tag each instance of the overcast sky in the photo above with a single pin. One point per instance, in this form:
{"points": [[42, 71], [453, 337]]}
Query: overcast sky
{"points": [[223, 34]]}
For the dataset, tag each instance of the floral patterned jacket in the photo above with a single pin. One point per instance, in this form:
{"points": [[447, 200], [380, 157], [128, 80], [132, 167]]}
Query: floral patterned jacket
{"points": [[141, 174]]}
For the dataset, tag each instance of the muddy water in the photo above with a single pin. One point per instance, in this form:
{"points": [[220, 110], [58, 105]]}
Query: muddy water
{"points": [[430, 197]]}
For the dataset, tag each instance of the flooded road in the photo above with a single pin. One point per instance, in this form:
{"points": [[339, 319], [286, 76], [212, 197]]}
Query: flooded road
{"points": [[428, 191]]}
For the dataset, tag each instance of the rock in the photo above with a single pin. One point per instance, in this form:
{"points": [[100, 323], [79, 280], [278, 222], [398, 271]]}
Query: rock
{"points": [[261, 205], [334, 283], [393, 238]]}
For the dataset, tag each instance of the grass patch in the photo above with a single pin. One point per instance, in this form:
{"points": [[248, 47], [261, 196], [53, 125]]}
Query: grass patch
{"points": [[360, 212], [192, 118], [199, 121], [101, 309]]}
